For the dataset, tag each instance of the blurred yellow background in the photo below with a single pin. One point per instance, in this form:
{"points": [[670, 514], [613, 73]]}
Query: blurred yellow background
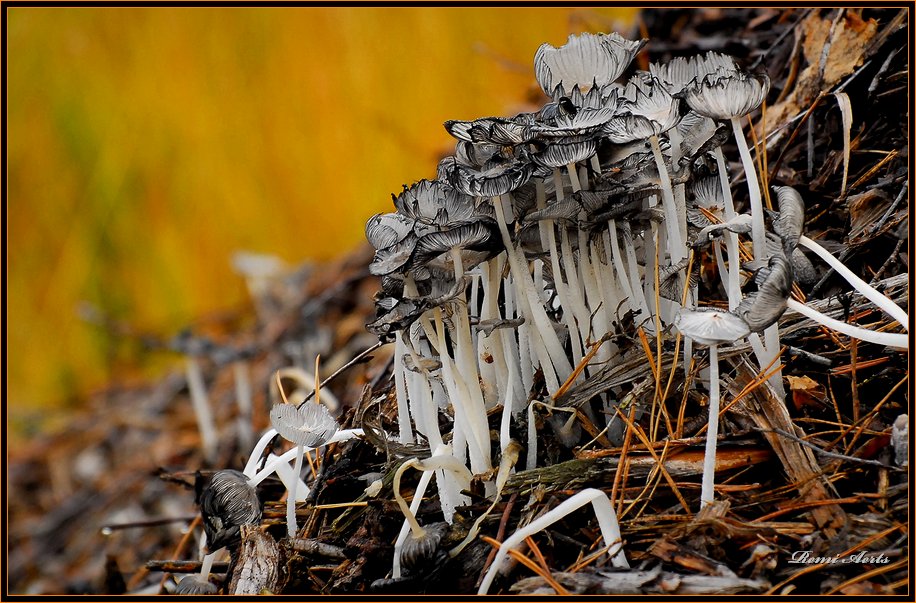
{"points": [[146, 145]]}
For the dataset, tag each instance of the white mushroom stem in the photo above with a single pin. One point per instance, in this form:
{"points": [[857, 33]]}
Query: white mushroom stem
{"points": [[607, 522], [677, 249], [870, 293], [201, 406], [256, 478], [549, 240], [206, 564], [733, 281], [707, 490], [405, 432], [291, 494], [758, 233], [894, 340], [553, 357]]}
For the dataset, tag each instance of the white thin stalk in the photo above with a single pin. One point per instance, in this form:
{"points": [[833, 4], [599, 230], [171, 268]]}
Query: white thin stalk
{"points": [[607, 522], [291, 495], [341, 436], [517, 347], [549, 241], [732, 276], [553, 357], [894, 340], [758, 233], [243, 401], [707, 490], [201, 406], [677, 249], [870, 293], [405, 432]]}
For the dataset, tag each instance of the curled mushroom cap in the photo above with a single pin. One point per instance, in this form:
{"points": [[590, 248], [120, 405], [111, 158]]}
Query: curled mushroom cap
{"points": [[227, 503], [764, 307], [645, 95], [386, 230], [710, 327], [586, 61], [308, 425], [791, 220], [729, 96]]}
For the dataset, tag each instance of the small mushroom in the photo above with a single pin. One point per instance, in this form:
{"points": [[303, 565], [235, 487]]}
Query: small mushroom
{"points": [[711, 327], [227, 503]]}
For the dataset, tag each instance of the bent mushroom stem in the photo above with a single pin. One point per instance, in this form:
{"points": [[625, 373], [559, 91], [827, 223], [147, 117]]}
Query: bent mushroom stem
{"points": [[607, 522], [894, 340], [869, 292]]}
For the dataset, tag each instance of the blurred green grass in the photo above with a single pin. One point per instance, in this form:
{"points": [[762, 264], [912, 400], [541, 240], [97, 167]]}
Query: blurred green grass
{"points": [[145, 145]]}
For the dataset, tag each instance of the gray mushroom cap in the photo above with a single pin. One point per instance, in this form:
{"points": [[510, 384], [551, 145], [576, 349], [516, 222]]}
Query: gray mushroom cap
{"points": [[418, 551], [710, 327], [309, 425], [764, 307], [725, 97], [228, 502], [586, 60]]}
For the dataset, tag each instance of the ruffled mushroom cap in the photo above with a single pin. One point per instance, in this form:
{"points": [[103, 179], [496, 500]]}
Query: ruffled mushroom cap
{"points": [[628, 127], [559, 153], [388, 260], [227, 503], [646, 96], [791, 219], [396, 314], [764, 307], [308, 425], [481, 236], [699, 135], [493, 130], [680, 72], [387, 230], [710, 327], [586, 61], [725, 97], [496, 177], [435, 205]]}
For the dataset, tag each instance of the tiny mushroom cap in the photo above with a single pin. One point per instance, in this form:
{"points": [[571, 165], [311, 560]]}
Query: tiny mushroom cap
{"points": [[308, 425], [228, 502], [725, 97], [420, 550], [587, 60], [193, 584], [710, 327]]}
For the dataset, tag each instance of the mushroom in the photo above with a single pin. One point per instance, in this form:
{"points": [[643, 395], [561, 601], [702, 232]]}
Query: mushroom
{"points": [[228, 502], [307, 425], [727, 95], [711, 328]]}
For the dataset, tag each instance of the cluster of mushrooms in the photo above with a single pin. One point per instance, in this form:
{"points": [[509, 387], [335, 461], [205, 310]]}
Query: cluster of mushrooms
{"points": [[546, 231], [504, 279]]}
